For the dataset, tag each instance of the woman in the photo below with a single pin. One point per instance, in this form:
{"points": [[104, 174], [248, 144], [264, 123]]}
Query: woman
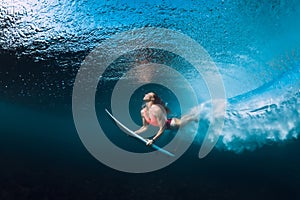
{"points": [[155, 113]]}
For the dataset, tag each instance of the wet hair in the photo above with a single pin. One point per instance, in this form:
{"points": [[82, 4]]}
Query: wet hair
{"points": [[158, 100]]}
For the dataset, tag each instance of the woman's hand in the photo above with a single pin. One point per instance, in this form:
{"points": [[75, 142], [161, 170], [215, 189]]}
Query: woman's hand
{"points": [[149, 142]]}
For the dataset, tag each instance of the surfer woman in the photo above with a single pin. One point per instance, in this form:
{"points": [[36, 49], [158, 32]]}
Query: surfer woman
{"points": [[155, 113]]}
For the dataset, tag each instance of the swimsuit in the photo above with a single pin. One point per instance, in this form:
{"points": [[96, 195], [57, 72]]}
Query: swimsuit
{"points": [[168, 123], [150, 119], [153, 121]]}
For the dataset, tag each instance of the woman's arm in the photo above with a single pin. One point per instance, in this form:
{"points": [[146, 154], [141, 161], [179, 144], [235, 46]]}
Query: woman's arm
{"points": [[158, 134], [161, 119], [143, 128]]}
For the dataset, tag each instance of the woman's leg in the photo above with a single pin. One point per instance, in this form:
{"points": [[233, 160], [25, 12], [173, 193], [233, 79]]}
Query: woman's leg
{"points": [[175, 123], [184, 120]]}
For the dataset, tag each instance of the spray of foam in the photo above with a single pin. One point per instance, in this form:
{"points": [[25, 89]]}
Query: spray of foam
{"points": [[249, 129], [266, 116]]}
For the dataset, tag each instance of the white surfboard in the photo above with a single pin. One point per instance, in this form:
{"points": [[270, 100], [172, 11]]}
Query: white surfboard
{"points": [[131, 133]]}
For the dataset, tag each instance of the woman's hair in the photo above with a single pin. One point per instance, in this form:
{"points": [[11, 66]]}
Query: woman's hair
{"points": [[157, 100]]}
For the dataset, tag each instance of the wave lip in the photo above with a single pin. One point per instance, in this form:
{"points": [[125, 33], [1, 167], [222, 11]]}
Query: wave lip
{"points": [[248, 130], [267, 115]]}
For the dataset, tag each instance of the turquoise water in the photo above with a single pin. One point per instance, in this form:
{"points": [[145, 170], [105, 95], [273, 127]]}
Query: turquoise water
{"points": [[255, 46]]}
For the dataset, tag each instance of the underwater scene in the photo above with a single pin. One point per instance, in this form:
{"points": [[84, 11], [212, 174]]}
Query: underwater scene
{"points": [[230, 68]]}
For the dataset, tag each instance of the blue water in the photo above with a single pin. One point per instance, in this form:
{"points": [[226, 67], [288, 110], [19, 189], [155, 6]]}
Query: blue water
{"points": [[255, 45]]}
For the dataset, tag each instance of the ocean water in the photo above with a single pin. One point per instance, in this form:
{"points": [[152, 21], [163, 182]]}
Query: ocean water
{"points": [[255, 47]]}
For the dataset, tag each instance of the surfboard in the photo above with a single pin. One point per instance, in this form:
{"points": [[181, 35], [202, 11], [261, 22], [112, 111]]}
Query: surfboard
{"points": [[132, 133]]}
